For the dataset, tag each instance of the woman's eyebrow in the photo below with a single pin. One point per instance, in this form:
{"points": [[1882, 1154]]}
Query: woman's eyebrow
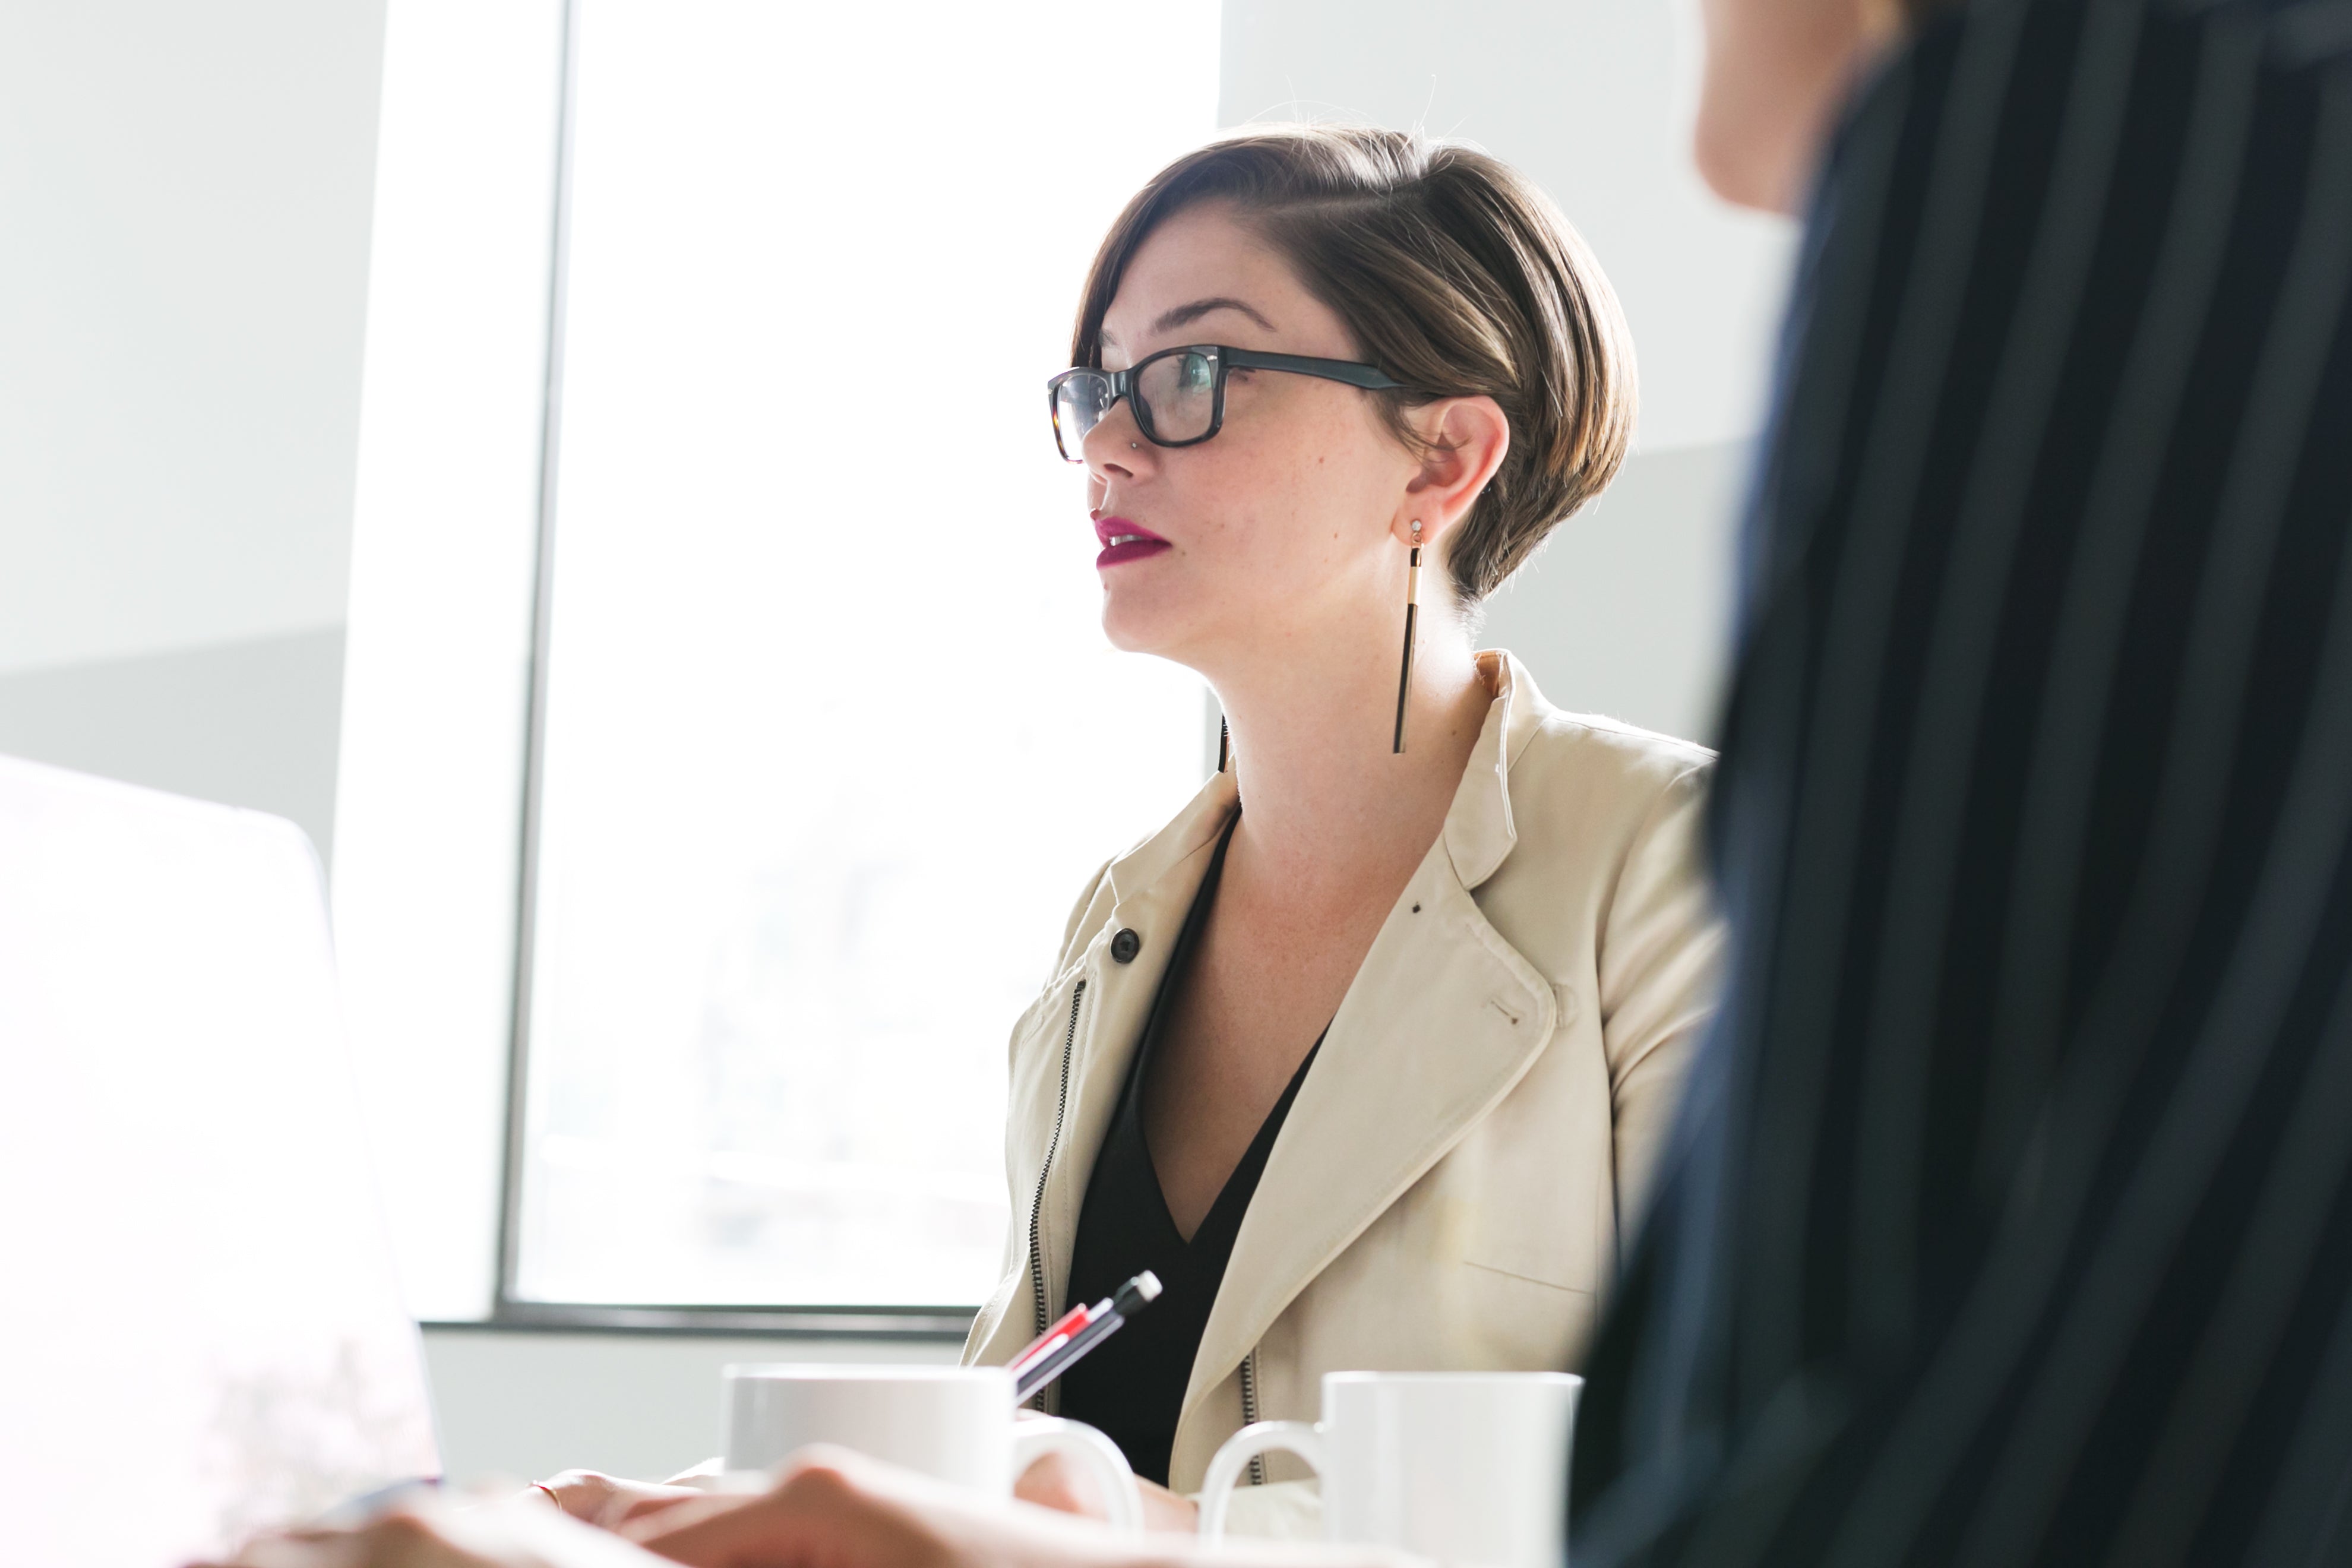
{"points": [[1185, 315]]}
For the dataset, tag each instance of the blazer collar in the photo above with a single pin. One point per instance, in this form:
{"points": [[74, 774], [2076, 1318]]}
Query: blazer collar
{"points": [[1479, 834], [1191, 830]]}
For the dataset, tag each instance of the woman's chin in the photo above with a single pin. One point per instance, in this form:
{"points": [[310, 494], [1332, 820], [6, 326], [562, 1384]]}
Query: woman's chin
{"points": [[1133, 628], [1128, 640]]}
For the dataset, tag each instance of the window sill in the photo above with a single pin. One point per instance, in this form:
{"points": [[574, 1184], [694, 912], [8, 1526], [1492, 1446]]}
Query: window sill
{"points": [[932, 1323]]}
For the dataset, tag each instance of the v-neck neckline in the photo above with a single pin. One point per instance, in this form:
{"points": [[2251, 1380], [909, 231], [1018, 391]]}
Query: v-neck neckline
{"points": [[1233, 1193]]}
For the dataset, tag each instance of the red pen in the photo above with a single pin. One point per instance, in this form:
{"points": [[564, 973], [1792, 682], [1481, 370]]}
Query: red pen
{"points": [[1054, 1338], [1080, 1329]]}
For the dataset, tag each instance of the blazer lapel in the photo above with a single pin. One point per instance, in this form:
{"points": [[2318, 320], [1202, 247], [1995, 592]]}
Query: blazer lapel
{"points": [[1152, 889]]}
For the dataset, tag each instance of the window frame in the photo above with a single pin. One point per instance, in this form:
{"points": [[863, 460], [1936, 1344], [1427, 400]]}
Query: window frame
{"points": [[942, 1323]]}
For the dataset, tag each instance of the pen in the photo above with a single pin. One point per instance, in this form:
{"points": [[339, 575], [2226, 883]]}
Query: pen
{"points": [[1078, 1330], [1053, 1338], [1146, 1286]]}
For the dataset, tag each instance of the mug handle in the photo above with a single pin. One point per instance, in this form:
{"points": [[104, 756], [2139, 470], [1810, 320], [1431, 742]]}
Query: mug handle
{"points": [[1036, 1435], [1300, 1437]]}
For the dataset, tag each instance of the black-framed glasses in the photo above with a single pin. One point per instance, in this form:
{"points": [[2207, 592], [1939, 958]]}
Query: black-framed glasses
{"points": [[1179, 394]]}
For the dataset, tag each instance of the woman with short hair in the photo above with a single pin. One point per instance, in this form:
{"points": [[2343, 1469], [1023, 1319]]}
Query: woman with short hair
{"points": [[1367, 1054]]}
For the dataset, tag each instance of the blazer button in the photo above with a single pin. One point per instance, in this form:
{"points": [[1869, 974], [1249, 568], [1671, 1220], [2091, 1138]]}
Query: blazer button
{"points": [[1126, 945]]}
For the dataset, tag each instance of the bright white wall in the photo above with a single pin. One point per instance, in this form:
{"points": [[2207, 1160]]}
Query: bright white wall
{"points": [[250, 723], [184, 193], [1588, 97], [1626, 611], [186, 197], [183, 248]]}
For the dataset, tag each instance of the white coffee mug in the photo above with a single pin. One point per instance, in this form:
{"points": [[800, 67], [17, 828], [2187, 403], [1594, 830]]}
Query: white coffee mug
{"points": [[1464, 1467], [958, 1423]]}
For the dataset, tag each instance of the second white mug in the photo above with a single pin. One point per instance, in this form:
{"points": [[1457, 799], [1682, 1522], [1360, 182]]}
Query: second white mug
{"points": [[1469, 1467], [957, 1423]]}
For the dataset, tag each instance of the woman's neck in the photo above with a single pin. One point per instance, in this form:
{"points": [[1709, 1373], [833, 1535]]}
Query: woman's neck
{"points": [[1328, 809]]}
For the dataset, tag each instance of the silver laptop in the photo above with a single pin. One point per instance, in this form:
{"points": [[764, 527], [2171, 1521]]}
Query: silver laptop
{"points": [[200, 1329]]}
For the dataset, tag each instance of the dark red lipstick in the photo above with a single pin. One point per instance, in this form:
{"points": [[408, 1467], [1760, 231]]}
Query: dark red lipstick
{"points": [[1123, 542]]}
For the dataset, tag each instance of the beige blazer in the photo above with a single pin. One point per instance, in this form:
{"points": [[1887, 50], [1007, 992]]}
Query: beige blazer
{"points": [[1463, 1164]]}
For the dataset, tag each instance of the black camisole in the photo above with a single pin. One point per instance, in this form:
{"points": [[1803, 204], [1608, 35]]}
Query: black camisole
{"points": [[1132, 1388]]}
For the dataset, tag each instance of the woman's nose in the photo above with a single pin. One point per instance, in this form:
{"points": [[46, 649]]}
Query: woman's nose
{"points": [[1116, 445]]}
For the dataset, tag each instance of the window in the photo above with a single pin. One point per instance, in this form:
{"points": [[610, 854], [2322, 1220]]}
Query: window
{"points": [[830, 738]]}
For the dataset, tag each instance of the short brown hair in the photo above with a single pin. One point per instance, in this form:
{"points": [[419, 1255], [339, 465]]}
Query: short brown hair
{"points": [[1455, 274]]}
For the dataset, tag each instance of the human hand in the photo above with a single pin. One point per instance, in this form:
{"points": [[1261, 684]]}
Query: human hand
{"points": [[834, 1509], [434, 1532], [607, 1501], [1057, 1482], [829, 1509]]}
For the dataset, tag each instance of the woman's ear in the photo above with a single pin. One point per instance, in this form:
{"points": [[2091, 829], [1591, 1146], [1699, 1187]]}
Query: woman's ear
{"points": [[1464, 440]]}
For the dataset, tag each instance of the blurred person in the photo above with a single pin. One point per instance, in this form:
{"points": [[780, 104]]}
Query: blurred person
{"points": [[2012, 1225], [2009, 1221]]}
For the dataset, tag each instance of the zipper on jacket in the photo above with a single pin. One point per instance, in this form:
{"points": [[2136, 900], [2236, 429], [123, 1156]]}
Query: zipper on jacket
{"points": [[1037, 1203], [1249, 1412]]}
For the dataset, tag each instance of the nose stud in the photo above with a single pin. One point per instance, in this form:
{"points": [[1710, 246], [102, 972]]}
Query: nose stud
{"points": [[1135, 445]]}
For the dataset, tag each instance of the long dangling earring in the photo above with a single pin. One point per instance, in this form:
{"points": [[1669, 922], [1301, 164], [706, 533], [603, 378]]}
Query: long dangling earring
{"points": [[1224, 742], [1412, 616]]}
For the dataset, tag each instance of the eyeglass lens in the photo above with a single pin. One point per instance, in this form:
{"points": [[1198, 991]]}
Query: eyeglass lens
{"points": [[1179, 395], [1080, 401], [1175, 395]]}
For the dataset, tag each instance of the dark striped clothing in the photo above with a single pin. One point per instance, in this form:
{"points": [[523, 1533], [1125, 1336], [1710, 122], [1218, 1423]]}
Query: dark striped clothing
{"points": [[2010, 1222]]}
